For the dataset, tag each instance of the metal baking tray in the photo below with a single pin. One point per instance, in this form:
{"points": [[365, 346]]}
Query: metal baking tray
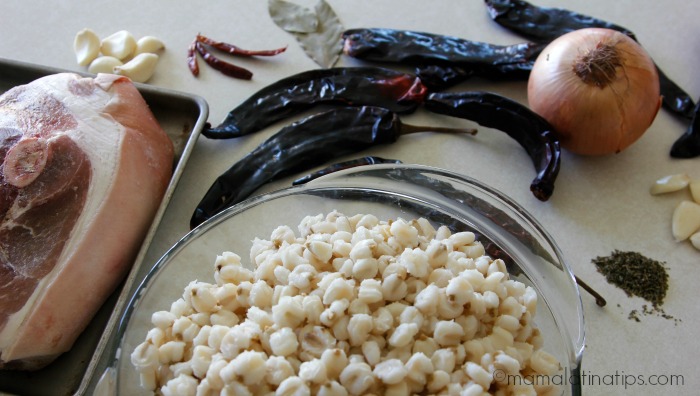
{"points": [[182, 116]]}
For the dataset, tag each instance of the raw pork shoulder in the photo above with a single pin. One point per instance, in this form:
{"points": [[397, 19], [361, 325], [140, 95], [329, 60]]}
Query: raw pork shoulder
{"points": [[84, 168]]}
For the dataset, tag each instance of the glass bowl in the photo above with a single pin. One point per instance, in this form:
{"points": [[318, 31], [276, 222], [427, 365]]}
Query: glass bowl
{"points": [[387, 191]]}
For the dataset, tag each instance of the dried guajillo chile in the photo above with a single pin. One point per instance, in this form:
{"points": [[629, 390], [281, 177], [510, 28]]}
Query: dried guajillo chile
{"points": [[357, 86], [530, 130], [469, 58], [688, 145], [544, 24], [441, 77], [368, 160], [303, 145]]}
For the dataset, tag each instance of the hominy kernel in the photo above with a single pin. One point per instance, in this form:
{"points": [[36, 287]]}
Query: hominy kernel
{"points": [[157, 336], [478, 374], [372, 352], [382, 321], [390, 371], [357, 378], [425, 346], [448, 333], [224, 318], [444, 360], [313, 371], [438, 380], [403, 334], [394, 288], [313, 340], [331, 388], [277, 368], [365, 268], [283, 342], [427, 300], [544, 363], [293, 386], [370, 291], [288, 312], [440, 277], [163, 319], [335, 361], [359, 307], [181, 385], [404, 233], [359, 328], [338, 289]]}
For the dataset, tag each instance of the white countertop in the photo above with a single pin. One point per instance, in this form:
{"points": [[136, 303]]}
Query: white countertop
{"points": [[599, 204]]}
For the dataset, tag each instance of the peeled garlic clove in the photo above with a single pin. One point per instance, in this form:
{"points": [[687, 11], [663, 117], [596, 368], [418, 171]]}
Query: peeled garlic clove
{"points": [[695, 190], [120, 45], [695, 240], [670, 183], [149, 44], [686, 220], [86, 46], [104, 64], [139, 69]]}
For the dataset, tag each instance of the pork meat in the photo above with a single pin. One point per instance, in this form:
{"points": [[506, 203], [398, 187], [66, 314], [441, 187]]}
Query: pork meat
{"points": [[84, 166]]}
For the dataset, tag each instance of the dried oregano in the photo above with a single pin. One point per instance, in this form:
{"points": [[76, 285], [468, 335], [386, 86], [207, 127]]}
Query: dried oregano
{"points": [[635, 274], [638, 276]]}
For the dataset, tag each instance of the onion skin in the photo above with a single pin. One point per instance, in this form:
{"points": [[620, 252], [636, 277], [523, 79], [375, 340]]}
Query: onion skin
{"points": [[596, 116]]}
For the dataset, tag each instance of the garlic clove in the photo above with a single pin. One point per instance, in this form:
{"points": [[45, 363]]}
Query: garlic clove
{"points": [[120, 45], [149, 44], [686, 220], [86, 46], [695, 240], [695, 190], [670, 183], [104, 64], [139, 69]]}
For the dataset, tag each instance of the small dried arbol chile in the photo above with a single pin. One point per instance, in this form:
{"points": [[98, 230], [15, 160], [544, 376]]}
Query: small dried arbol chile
{"points": [[544, 24], [356, 86], [530, 130], [192, 63], [198, 47], [228, 69], [301, 146], [458, 56], [234, 50]]}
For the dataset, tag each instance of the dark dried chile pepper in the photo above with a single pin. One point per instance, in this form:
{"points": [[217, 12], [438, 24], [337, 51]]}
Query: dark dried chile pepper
{"points": [[688, 145], [228, 69], [369, 160], [301, 146], [427, 49], [234, 50], [545, 24], [541, 23], [357, 86], [533, 132]]}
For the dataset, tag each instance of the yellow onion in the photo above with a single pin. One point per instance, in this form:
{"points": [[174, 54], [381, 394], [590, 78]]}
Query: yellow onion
{"points": [[598, 88]]}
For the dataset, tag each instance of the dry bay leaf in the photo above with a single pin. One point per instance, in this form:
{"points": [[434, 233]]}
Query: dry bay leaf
{"points": [[324, 45], [292, 17]]}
